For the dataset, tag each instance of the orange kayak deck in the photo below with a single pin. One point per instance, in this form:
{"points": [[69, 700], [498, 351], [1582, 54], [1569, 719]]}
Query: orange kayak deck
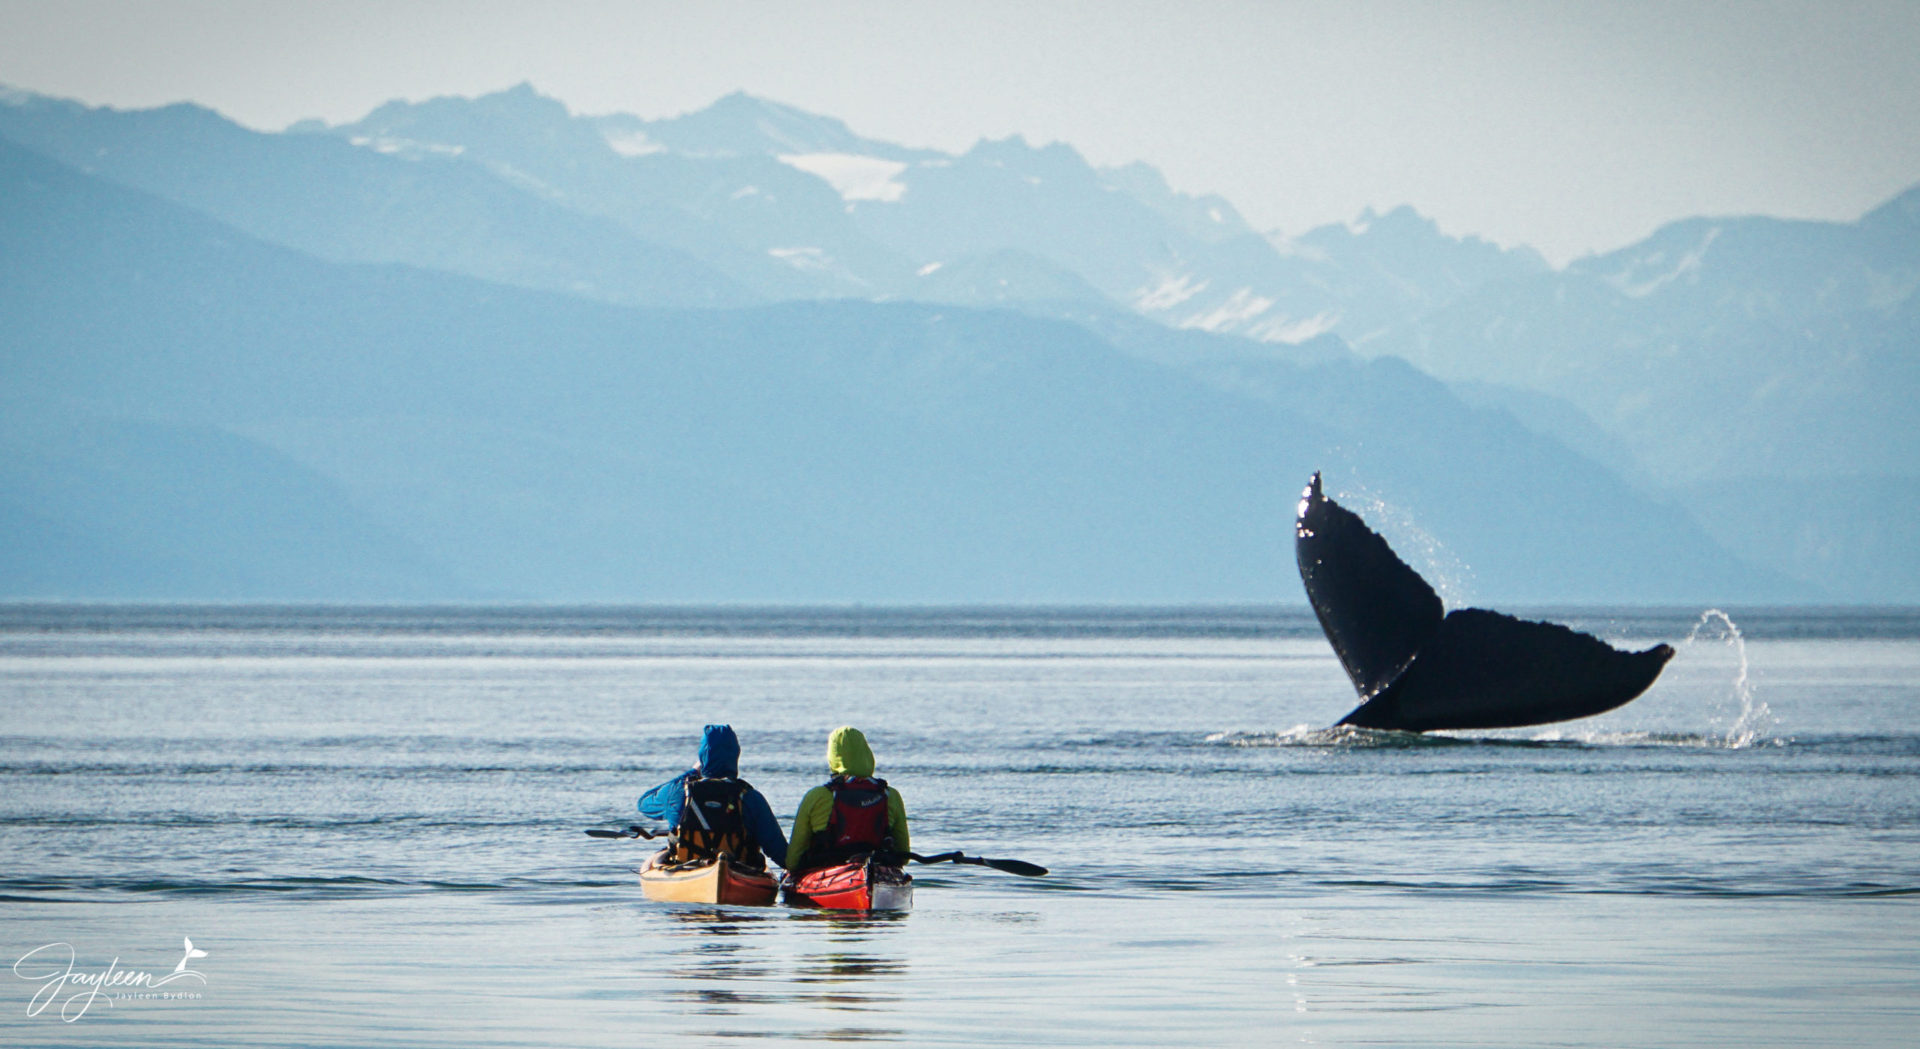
{"points": [[708, 881]]}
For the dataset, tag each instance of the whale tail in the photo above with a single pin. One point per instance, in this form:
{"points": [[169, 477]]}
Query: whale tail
{"points": [[1418, 667]]}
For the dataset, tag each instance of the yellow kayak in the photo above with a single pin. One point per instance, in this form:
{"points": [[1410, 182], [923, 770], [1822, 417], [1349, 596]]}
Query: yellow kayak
{"points": [[708, 881]]}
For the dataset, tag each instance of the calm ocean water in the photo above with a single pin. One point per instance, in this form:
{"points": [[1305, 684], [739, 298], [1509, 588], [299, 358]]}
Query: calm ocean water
{"points": [[370, 822]]}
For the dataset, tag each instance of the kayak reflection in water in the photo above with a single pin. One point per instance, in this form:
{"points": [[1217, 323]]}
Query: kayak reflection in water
{"points": [[851, 814], [710, 810]]}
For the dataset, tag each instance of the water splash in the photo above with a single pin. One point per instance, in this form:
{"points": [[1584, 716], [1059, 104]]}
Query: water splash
{"points": [[1755, 719], [1335, 737], [1448, 573], [1348, 737]]}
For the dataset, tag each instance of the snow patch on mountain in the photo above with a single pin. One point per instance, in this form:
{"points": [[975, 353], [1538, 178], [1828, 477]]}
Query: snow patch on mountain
{"points": [[1238, 309], [802, 258], [1170, 292], [630, 142], [1650, 273], [853, 176], [405, 147], [1289, 247], [1293, 331], [525, 180]]}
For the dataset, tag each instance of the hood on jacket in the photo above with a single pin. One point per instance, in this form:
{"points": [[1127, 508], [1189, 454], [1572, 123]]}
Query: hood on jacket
{"points": [[848, 753], [719, 752]]}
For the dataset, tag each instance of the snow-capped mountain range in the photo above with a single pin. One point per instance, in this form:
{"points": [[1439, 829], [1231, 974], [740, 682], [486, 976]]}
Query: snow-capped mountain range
{"points": [[797, 205], [1726, 365]]}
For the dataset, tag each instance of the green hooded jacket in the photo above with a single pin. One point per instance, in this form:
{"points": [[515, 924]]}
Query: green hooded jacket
{"points": [[847, 755]]}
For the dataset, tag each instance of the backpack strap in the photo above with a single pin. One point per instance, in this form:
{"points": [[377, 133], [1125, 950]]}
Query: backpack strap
{"points": [[704, 836]]}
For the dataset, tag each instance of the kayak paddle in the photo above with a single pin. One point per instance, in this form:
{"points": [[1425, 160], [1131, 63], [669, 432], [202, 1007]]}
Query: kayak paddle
{"points": [[630, 832], [1020, 867]]}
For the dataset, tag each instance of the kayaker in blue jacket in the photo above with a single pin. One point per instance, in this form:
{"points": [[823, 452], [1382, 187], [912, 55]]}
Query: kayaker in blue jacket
{"points": [[709, 808]]}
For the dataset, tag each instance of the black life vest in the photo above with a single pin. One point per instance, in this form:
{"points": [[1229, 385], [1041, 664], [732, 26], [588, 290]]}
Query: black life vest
{"points": [[859, 819], [713, 820]]}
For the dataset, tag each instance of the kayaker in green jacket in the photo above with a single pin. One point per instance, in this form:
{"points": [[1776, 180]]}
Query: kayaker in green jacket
{"points": [[850, 814]]}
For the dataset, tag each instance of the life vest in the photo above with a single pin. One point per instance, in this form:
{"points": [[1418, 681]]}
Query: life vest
{"points": [[859, 819], [713, 820]]}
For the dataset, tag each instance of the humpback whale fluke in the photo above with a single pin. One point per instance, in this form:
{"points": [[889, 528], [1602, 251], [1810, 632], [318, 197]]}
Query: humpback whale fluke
{"points": [[1418, 667]]}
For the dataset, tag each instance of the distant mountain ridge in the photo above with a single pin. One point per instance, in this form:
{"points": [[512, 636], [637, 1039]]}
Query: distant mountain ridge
{"points": [[1727, 365], [898, 215], [1765, 371], [781, 203], [272, 425], [325, 196]]}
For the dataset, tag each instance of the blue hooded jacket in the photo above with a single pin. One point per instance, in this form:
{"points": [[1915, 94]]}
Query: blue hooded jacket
{"points": [[719, 758]]}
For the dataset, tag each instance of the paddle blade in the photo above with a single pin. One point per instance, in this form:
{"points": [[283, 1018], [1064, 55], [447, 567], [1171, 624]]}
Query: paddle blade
{"points": [[1020, 867], [630, 832]]}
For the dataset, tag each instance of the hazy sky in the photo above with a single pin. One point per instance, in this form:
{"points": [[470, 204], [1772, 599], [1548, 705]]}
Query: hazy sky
{"points": [[1568, 126]]}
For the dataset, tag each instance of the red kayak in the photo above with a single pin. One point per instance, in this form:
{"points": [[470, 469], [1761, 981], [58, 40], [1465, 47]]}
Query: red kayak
{"points": [[860, 884]]}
